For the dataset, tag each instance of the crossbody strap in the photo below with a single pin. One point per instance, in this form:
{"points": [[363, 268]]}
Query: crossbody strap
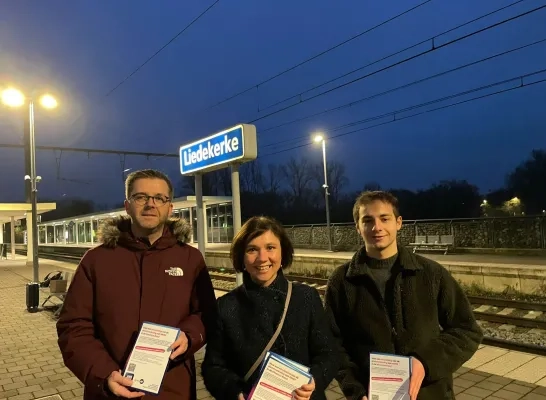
{"points": [[275, 335]]}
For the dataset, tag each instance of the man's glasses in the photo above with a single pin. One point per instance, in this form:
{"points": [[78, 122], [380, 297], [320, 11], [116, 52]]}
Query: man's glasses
{"points": [[142, 199]]}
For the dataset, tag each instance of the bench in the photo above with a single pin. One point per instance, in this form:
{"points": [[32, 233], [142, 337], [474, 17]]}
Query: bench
{"points": [[433, 243], [57, 290]]}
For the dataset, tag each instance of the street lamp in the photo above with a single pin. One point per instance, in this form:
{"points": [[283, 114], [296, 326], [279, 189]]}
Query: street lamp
{"points": [[15, 98], [318, 139]]}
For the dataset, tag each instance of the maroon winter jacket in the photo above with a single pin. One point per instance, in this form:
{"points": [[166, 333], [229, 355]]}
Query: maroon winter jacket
{"points": [[124, 282]]}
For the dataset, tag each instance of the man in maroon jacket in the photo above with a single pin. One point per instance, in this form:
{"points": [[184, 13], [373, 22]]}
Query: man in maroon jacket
{"points": [[144, 270]]}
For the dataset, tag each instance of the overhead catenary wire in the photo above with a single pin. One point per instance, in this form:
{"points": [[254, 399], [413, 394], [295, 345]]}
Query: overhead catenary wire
{"points": [[171, 40], [432, 48], [323, 52], [391, 55], [393, 114], [416, 82]]}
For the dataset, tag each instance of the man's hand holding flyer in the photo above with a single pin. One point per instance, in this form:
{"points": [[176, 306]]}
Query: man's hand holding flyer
{"points": [[279, 377], [389, 377], [148, 361]]}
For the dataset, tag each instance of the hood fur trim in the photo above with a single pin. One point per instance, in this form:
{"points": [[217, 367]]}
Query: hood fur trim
{"points": [[111, 228]]}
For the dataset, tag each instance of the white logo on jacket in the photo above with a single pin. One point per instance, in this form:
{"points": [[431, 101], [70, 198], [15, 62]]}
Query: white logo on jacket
{"points": [[174, 271]]}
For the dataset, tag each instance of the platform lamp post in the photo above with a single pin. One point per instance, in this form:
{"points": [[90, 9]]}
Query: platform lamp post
{"points": [[318, 139], [15, 98]]}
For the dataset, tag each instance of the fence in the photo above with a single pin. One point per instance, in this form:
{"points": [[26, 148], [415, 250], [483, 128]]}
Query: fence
{"points": [[526, 232]]}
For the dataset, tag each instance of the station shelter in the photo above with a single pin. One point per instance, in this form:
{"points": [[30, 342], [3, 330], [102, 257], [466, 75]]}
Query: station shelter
{"points": [[82, 230], [13, 213]]}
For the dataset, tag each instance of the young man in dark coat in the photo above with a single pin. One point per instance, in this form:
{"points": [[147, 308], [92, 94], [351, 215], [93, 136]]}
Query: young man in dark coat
{"points": [[389, 300], [143, 271]]}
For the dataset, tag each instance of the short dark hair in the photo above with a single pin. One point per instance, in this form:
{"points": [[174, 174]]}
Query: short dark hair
{"points": [[146, 174], [254, 227], [370, 196]]}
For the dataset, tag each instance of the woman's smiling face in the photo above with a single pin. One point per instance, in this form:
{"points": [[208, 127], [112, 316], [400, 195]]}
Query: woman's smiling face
{"points": [[263, 258]]}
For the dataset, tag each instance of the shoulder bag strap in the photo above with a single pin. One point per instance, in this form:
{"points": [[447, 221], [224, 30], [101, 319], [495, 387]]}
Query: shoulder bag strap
{"points": [[275, 335]]}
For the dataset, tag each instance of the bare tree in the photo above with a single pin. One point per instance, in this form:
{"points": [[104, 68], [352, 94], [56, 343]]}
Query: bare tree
{"points": [[298, 175], [251, 176], [223, 181], [273, 181]]}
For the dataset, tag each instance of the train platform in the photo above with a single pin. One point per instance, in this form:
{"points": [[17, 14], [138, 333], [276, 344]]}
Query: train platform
{"points": [[31, 365], [460, 259]]}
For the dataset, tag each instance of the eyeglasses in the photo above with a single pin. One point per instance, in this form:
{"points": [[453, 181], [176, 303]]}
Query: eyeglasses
{"points": [[142, 199]]}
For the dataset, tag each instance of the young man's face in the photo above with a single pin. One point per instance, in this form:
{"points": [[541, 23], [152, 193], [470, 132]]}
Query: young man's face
{"points": [[378, 227]]}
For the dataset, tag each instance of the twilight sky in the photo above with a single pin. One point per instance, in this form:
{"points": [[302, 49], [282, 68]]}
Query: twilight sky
{"points": [[81, 50]]}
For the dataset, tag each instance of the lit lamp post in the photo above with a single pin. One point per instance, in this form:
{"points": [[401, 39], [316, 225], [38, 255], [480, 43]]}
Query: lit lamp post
{"points": [[318, 139], [14, 98]]}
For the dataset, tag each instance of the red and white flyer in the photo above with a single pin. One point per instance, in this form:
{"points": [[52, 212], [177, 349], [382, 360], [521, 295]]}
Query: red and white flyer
{"points": [[279, 378], [148, 361], [389, 377]]}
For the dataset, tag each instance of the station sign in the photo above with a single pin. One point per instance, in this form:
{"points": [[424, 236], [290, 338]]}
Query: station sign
{"points": [[236, 144]]}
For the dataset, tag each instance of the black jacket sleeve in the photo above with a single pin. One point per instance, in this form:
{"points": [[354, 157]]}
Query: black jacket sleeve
{"points": [[348, 371], [221, 382], [324, 357], [461, 334]]}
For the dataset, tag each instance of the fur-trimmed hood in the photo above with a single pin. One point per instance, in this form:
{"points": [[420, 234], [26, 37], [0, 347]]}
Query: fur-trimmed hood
{"points": [[113, 229]]}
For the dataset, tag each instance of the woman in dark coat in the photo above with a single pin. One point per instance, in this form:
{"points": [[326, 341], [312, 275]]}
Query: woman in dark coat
{"points": [[248, 317]]}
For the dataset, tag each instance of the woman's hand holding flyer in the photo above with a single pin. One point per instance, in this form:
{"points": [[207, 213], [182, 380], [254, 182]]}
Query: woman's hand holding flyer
{"points": [[281, 378]]}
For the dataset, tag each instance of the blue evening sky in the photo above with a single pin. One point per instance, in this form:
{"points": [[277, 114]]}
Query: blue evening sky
{"points": [[80, 50]]}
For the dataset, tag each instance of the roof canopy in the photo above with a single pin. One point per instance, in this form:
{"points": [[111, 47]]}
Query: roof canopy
{"points": [[19, 210]]}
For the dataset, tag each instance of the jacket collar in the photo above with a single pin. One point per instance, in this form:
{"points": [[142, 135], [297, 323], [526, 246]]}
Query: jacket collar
{"points": [[358, 266], [280, 284]]}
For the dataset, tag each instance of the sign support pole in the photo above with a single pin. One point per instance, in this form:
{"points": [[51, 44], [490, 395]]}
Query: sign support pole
{"points": [[228, 148], [236, 209], [201, 243]]}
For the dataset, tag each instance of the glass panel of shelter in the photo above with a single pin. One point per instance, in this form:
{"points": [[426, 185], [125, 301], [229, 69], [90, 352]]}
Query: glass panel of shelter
{"points": [[219, 220]]}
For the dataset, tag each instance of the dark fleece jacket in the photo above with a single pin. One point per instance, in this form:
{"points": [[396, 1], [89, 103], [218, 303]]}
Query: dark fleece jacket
{"points": [[425, 314], [248, 317], [124, 282]]}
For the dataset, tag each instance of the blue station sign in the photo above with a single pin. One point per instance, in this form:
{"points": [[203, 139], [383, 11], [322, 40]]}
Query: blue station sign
{"points": [[236, 144]]}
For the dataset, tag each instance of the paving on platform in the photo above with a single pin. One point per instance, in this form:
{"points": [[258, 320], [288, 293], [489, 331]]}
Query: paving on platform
{"points": [[31, 365]]}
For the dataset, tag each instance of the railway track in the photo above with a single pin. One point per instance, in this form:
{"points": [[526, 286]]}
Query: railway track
{"points": [[501, 313], [510, 312]]}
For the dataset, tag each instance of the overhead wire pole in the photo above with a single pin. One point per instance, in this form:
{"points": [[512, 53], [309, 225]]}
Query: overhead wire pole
{"points": [[236, 209]]}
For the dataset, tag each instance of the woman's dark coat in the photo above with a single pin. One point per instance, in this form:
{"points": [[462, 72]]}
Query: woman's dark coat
{"points": [[246, 321]]}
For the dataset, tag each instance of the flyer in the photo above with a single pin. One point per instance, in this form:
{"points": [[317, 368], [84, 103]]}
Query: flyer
{"points": [[279, 378], [283, 359], [389, 377], [149, 358]]}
